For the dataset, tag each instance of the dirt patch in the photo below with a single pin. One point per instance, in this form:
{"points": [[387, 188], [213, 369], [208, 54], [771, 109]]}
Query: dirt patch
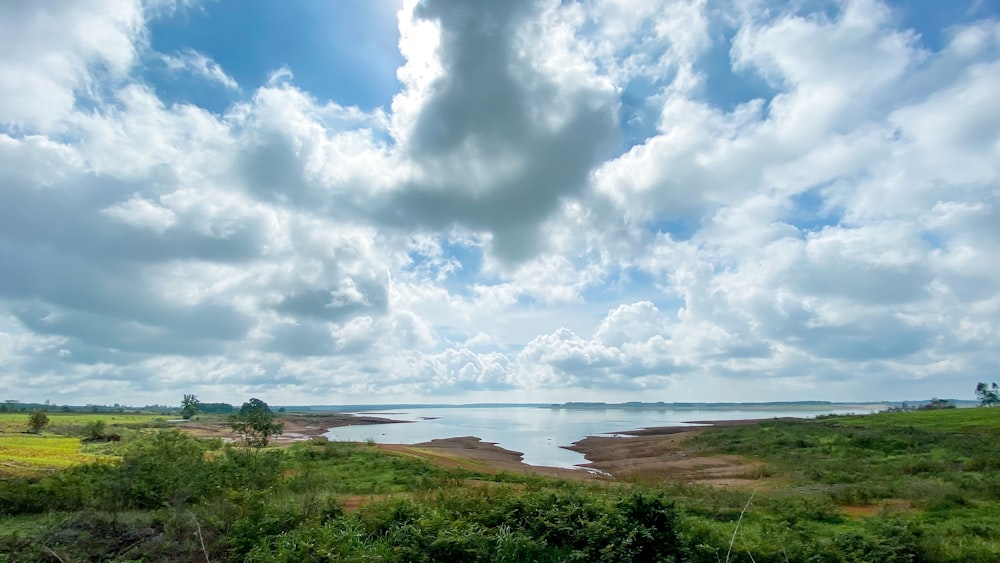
{"points": [[352, 503]]}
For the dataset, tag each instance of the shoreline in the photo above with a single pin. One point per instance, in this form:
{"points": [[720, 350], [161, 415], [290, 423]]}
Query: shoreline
{"points": [[659, 454], [297, 427], [695, 425], [653, 454], [472, 453]]}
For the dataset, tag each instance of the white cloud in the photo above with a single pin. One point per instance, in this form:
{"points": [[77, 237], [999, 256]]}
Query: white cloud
{"points": [[54, 52], [142, 214], [489, 234]]}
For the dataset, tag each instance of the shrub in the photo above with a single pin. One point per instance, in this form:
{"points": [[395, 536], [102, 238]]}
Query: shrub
{"points": [[37, 420], [165, 468], [94, 430]]}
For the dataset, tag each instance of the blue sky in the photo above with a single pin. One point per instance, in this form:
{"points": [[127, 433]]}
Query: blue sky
{"points": [[455, 201], [337, 51]]}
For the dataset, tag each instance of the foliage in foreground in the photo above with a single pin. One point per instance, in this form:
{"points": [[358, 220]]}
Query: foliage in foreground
{"points": [[492, 524]]}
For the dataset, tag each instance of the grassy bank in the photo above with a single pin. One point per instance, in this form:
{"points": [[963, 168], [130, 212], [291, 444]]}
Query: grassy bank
{"points": [[921, 486], [933, 473]]}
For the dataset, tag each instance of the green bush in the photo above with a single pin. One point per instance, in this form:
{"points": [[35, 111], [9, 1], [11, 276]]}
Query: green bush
{"points": [[243, 469], [882, 541], [167, 467]]}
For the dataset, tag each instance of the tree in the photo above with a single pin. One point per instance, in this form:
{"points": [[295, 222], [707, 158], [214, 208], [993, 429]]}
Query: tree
{"points": [[988, 395], [255, 424], [94, 430], [189, 406], [38, 420], [165, 467]]}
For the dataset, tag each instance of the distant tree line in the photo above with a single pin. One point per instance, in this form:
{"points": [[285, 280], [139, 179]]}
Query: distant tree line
{"points": [[216, 408], [932, 405]]}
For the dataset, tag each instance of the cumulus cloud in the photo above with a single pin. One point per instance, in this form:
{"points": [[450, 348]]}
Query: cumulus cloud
{"points": [[497, 136], [55, 53], [553, 207]]}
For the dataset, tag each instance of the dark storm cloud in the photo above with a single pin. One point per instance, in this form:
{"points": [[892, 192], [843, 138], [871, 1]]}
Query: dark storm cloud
{"points": [[488, 111]]}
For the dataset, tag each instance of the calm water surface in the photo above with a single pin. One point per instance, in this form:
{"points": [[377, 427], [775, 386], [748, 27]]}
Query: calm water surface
{"points": [[538, 432]]}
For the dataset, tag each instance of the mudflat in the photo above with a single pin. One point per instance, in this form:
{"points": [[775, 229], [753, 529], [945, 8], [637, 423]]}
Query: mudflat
{"points": [[657, 455]]}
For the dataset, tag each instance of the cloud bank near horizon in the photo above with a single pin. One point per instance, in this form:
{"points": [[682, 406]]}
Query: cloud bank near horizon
{"points": [[513, 201]]}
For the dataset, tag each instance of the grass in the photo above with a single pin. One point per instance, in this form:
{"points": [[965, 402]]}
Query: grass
{"points": [[28, 454], [66, 423], [28, 523], [937, 472], [349, 468], [977, 420], [59, 445]]}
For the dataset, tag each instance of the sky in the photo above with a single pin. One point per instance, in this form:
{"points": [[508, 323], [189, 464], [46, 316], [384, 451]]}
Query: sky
{"points": [[454, 201]]}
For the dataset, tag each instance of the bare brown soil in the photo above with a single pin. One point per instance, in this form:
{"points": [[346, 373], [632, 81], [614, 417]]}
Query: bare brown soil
{"points": [[351, 503], [473, 454], [661, 455]]}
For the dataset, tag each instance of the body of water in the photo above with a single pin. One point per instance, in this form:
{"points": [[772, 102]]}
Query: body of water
{"points": [[539, 432]]}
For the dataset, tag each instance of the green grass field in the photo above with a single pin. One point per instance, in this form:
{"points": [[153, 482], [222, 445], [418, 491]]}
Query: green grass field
{"points": [[980, 420], [933, 471], [59, 421]]}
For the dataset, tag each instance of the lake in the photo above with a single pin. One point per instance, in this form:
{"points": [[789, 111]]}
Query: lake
{"points": [[538, 432]]}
